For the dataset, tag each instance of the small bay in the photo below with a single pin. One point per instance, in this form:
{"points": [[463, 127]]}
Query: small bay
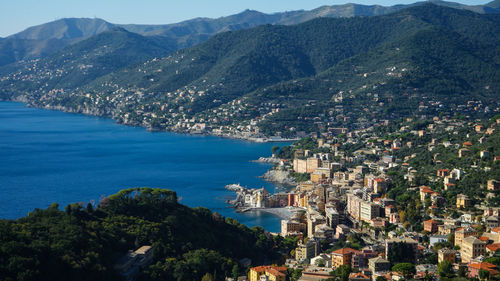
{"points": [[50, 156]]}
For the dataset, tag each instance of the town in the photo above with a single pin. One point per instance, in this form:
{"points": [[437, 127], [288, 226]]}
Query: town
{"points": [[413, 199]]}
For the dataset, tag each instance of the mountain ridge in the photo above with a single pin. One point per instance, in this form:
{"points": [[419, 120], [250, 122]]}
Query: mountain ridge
{"points": [[186, 33], [309, 66]]}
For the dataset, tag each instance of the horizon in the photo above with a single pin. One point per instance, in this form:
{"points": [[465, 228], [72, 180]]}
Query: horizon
{"points": [[19, 18]]}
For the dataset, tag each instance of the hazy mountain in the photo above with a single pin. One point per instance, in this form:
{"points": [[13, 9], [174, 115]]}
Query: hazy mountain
{"points": [[81, 63], [186, 33], [66, 29]]}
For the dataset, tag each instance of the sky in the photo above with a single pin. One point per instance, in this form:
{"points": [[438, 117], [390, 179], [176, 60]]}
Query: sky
{"points": [[17, 15]]}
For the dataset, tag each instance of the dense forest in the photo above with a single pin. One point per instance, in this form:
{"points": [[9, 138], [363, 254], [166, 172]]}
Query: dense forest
{"points": [[324, 72], [84, 242]]}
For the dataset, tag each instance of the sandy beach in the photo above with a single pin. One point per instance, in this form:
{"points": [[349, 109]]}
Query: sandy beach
{"points": [[284, 213]]}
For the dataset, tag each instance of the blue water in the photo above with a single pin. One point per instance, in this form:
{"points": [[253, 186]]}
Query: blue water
{"points": [[50, 156]]}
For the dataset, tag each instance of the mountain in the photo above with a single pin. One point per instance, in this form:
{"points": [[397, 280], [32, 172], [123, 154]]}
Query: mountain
{"points": [[65, 29], [81, 63], [324, 72], [187, 33]]}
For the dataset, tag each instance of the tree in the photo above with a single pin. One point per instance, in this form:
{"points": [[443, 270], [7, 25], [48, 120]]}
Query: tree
{"points": [[275, 149], [235, 272], [380, 278], [405, 268], [484, 274], [207, 277], [342, 272], [445, 269]]}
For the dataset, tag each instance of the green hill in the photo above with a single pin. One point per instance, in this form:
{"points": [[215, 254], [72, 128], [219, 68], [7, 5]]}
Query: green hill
{"points": [[83, 243], [325, 72]]}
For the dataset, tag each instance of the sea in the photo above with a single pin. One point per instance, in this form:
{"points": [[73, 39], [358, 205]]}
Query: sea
{"points": [[49, 156]]}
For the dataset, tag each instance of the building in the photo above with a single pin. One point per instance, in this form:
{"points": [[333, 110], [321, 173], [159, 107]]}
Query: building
{"points": [[369, 210], [130, 265], [360, 260], [425, 192], [447, 255], [343, 257], [493, 185], [389, 243], [463, 233], [304, 252], [379, 185], [332, 217], [431, 226], [492, 222], [472, 248], [358, 277], [437, 239], [443, 173], [463, 201], [379, 264], [474, 269], [291, 227], [271, 273]]}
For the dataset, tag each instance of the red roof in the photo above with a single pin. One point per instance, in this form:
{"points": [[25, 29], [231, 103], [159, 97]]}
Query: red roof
{"points": [[467, 143], [496, 229], [493, 247], [484, 238], [431, 221], [358, 275], [345, 251]]}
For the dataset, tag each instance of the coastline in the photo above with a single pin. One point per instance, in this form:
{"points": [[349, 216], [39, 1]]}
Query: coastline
{"points": [[148, 128], [284, 213]]}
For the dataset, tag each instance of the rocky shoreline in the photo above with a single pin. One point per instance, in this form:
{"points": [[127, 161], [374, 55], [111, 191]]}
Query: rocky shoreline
{"points": [[279, 176], [112, 115]]}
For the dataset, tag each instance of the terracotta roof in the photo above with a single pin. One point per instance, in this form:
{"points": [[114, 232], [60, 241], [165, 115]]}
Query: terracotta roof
{"points": [[493, 247], [483, 265], [467, 143], [274, 272], [380, 180], [484, 238], [431, 221], [345, 251], [358, 275], [496, 229]]}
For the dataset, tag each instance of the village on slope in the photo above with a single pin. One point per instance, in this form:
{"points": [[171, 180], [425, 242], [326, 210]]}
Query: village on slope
{"points": [[405, 199]]}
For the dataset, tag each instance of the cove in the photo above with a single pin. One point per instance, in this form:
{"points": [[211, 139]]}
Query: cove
{"points": [[49, 156]]}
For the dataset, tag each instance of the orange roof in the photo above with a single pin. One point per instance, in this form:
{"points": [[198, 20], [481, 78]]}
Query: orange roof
{"points": [[261, 268], [444, 170], [467, 143], [431, 221], [275, 272], [380, 180], [427, 191], [484, 238], [344, 251], [358, 275], [483, 265], [493, 247], [496, 229]]}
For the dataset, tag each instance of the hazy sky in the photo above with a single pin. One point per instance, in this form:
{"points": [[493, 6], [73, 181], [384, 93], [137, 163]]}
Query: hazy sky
{"points": [[16, 15]]}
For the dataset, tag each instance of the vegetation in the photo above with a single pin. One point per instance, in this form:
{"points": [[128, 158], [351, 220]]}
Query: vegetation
{"points": [[83, 243], [288, 78]]}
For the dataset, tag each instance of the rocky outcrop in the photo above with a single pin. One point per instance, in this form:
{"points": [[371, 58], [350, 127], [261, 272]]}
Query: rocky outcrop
{"points": [[270, 160], [280, 176]]}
